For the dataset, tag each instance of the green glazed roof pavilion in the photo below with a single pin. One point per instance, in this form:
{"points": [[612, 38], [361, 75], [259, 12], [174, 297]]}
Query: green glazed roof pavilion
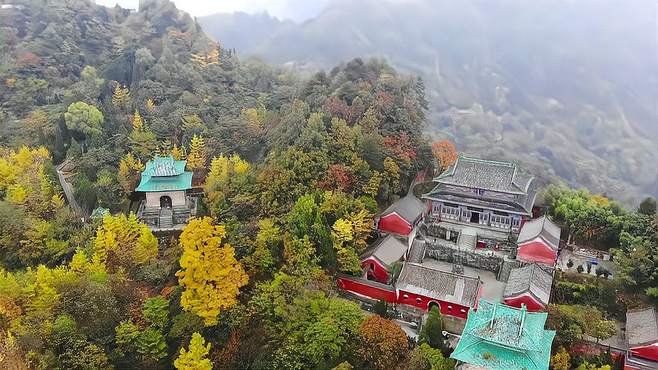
{"points": [[165, 174], [500, 337]]}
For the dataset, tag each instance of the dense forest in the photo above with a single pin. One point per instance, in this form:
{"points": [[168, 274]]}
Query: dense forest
{"points": [[292, 170], [565, 87]]}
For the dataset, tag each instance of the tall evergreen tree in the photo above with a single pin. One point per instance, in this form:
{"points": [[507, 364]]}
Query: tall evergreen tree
{"points": [[432, 331]]}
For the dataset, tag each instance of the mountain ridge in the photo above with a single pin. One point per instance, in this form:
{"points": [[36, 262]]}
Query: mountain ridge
{"points": [[576, 89]]}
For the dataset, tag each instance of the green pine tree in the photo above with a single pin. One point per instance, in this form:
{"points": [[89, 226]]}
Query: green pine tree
{"points": [[432, 331]]}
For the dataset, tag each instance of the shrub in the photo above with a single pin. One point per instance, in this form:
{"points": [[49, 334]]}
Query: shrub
{"points": [[580, 269], [381, 308], [599, 271], [570, 263]]}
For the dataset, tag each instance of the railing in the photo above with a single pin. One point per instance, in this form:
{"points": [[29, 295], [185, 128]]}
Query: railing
{"points": [[496, 224], [156, 217], [450, 213]]}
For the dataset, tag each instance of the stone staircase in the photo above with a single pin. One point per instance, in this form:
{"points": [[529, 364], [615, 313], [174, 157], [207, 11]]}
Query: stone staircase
{"points": [[181, 214], [417, 252], [166, 219], [467, 239]]}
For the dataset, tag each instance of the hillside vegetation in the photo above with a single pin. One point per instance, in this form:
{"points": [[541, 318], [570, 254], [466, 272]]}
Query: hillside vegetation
{"points": [[566, 87], [292, 169]]}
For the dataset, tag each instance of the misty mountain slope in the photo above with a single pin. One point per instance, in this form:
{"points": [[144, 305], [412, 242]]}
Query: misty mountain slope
{"points": [[567, 88]]}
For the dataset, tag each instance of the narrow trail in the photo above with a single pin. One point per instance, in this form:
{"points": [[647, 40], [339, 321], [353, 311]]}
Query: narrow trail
{"points": [[63, 175]]}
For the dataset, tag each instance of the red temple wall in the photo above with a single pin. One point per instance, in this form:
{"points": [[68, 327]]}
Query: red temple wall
{"points": [[378, 272], [360, 286], [446, 308]]}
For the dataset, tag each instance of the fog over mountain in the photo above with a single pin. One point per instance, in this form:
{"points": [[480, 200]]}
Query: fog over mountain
{"points": [[568, 88]]}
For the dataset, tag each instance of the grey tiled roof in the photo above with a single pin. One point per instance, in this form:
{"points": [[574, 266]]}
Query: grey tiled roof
{"points": [[531, 279], [541, 227], [417, 252], [478, 173], [446, 286], [641, 326], [408, 207], [524, 205], [388, 250]]}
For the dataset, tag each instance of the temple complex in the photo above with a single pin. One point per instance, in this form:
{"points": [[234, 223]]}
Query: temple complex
{"points": [[165, 183], [471, 248]]}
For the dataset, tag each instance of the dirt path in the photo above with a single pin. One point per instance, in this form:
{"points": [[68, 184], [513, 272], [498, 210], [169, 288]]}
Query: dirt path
{"points": [[63, 175]]}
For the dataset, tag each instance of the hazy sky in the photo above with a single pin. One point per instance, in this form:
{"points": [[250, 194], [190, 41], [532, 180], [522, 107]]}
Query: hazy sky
{"points": [[298, 10]]}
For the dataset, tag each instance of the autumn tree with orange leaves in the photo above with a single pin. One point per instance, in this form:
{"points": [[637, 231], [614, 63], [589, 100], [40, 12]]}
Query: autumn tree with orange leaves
{"points": [[382, 343], [445, 153]]}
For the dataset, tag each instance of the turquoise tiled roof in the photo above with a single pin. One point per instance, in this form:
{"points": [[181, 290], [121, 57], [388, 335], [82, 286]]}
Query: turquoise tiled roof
{"points": [[497, 336], [165, 174]]}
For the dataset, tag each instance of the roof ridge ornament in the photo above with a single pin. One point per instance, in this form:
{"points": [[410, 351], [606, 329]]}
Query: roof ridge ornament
{"points": [[493, 316], [524, 310]]}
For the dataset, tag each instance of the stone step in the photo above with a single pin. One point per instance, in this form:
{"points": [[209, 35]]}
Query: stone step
{"points": [[466, 241], [166, 222]]}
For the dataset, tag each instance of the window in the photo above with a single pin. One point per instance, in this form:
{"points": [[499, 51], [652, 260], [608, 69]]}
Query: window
{"points": [[499, 220], [450, 212], [449, 308], [462, 310], [418, 300], [406, 296]]}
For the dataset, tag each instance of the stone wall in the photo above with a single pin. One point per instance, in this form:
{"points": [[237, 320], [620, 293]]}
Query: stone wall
{"points": [[480, 260], [506, 268], [177, 198]]}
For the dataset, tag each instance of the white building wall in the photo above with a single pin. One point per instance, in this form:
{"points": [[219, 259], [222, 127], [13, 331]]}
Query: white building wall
{"points": [[153, 198]]}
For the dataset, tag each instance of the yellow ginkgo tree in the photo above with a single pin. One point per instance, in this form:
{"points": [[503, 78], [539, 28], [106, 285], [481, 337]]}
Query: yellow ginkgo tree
{"points": [[130, 170], [226, 173], [124, 242], [25, 182], [210, 275], [349, 236], [195, 358], [197, 157]]}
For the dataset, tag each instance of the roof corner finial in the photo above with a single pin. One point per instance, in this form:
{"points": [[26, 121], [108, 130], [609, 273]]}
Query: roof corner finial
{"points": [[524, 310], [493, 316]]}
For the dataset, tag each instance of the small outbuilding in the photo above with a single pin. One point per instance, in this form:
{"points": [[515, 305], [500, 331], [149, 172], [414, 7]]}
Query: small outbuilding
{"points": [[378, 260], [529, 285], [539, 241], [402, 216], [165, 183]]}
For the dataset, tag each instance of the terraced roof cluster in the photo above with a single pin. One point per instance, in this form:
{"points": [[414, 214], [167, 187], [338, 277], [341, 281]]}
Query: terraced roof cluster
{"points": [[500, 337]]}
